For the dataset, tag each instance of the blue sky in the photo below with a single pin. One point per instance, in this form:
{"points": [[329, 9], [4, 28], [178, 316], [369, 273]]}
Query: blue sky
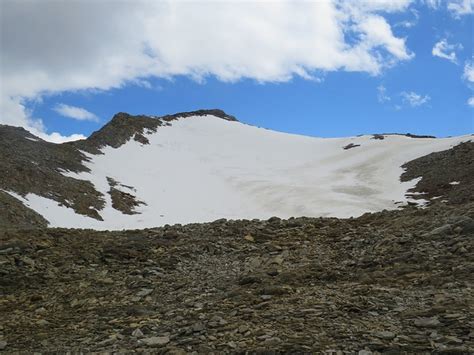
{"points": [[415, 89]]}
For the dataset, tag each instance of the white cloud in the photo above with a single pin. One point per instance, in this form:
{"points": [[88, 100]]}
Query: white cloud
{"points": [[406, 24], [14, 112], [469, 71], [457, 8], [56, 137], [445, 50], [434, 4], [83, 45], [469, 76], [460, 8], [414, 99], [382, 95], [77, 113]]}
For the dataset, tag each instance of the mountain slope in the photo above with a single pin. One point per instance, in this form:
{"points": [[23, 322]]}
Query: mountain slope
{"points": [[31, 165], [204, 165], [390, 282]]}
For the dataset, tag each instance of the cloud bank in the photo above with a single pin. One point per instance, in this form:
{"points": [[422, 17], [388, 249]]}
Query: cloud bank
{"points": [[81, 45]]}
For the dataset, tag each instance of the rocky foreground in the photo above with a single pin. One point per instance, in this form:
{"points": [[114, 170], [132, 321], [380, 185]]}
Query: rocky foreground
{"points": [[397, 281]]}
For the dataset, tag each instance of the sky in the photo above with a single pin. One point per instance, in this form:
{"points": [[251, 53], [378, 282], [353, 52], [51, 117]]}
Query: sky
{"points": [[327, 68]]}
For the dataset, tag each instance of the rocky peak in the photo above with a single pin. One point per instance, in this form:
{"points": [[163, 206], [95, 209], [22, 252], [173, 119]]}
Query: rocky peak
{"points": [[32, 165], [210, 112], [124, 126], [7, 131]]}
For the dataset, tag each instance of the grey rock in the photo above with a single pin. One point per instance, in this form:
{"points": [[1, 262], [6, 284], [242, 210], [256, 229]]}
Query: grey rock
{"points": [[153, 341], [232, 344], [432, 322], [137, 333], [445, 229], [198, 327], [272, 341], [145, 292], [385, 335]]}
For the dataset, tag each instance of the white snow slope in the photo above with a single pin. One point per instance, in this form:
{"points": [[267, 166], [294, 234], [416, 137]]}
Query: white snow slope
{"points": [[200, 169]]}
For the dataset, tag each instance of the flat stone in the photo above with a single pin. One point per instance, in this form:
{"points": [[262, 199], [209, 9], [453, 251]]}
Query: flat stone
{"points": [[198, 327], [152, 341], [272, 341], [144, 292], [249, 238], [385, 335], [427, 322], [446, 229], [232, 344]]}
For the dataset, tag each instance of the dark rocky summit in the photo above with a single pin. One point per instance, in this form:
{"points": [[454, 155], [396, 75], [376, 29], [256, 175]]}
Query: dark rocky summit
{"points": [[124, 126]]}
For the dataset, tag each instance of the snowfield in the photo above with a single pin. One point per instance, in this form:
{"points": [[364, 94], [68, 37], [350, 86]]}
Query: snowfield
{"points": [[200, 169]]}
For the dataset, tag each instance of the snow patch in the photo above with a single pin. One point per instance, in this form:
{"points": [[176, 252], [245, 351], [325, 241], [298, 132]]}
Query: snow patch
{"points": [[203, 169]]}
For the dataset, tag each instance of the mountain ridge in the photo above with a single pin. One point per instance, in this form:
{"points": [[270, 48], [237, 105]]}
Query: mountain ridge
{"points": [[67, 173], [124, 126]]}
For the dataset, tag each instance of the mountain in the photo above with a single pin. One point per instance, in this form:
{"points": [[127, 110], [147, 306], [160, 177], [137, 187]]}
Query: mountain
{"points": [[200, 166], [395, 281]]}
